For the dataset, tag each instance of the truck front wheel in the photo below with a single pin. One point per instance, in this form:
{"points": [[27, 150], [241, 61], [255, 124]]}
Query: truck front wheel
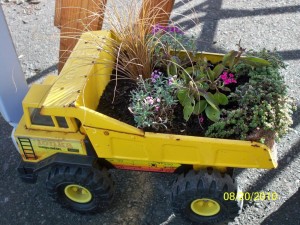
{"points": [[85, 190], [202, 197]]}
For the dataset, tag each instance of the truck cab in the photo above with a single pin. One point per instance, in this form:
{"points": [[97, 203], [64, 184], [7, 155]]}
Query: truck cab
{"points": [[38, 135]]}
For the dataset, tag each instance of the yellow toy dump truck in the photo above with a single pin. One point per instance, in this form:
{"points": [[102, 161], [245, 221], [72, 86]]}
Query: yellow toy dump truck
{"points": [[61, 129]]}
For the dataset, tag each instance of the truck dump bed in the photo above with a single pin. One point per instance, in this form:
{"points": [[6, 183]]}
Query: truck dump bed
{"points": [[77, 91]]}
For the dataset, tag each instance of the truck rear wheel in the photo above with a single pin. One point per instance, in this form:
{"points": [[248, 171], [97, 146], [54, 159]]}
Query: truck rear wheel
{"points": [[199, 197], [85, 190]]}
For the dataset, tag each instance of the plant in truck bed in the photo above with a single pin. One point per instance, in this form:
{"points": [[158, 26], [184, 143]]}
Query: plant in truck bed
{"points": [[263, 106], [174, 89]]}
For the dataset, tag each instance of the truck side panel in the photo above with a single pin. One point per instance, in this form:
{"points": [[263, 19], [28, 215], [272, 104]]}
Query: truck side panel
{"points": [[180, 149]]}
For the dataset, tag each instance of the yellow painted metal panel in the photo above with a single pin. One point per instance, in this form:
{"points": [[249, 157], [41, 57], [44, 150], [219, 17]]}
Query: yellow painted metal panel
{"points": [[181, 149], [36, 95], [144, 165], [47, 143], [128, 148], [212, 57], [78, 71], [50, 79]]}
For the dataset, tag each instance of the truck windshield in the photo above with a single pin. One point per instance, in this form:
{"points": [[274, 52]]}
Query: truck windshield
{"points": [[38, 119]]}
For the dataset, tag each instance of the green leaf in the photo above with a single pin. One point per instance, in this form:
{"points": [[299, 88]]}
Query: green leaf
{"points": [[184, 76], [182, 95], [185, 98], [187, 111], [200, 107], [221, 98], [211, 75], [190, 70], [255, 61], [209, 97], [218, 70], [171, 69], [205, 86], [199, 74], [225, 88], [228, 59], [212, 114], [202, 85]]}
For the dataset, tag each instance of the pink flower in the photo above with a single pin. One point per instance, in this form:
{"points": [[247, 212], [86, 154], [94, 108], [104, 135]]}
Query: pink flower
{"points": [[149, 100], [156, 108], [223, 76], [158, 99], [227, 79]]}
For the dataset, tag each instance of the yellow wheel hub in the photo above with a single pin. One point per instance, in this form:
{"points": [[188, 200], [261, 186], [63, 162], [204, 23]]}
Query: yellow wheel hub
{"points": [[78, 193], [205, 207]]}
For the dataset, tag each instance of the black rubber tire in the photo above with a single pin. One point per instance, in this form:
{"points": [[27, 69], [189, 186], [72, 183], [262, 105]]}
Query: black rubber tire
{"points": [[201, 184], [97, 182]]}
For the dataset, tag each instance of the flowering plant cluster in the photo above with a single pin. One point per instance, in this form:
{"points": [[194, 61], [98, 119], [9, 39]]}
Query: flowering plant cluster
{"points": [[163, 40], [205, 90], [153, 101]]}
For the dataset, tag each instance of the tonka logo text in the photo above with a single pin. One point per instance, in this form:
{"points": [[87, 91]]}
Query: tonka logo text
{"points": [[54, 144]]}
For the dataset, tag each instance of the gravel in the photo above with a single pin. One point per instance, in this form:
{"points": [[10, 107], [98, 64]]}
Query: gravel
{"points": [[142, 197]]}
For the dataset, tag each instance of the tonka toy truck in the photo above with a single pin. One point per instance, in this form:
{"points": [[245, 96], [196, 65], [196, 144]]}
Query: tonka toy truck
{"points": [[61, 130]]}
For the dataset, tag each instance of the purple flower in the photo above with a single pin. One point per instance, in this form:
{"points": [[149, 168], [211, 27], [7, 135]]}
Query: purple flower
{"points": [[174, 29], [158, 28], [155, 75], [156, 108], [158, 99]]}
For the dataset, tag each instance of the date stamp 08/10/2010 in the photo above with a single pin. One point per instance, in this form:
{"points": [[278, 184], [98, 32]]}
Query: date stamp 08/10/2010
{"points": [[250, 196]]}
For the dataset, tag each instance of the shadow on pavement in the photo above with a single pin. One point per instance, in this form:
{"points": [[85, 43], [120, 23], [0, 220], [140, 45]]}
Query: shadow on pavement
{"points": [[214, 13], [286, 210], [41, 74]]}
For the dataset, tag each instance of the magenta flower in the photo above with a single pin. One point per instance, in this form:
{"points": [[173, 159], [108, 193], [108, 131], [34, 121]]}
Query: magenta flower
{"points": [[201, 119], [227, 78]]}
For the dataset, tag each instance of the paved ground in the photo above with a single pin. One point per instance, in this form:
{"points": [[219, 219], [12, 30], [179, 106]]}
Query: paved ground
{"points": [[143, 198]]}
